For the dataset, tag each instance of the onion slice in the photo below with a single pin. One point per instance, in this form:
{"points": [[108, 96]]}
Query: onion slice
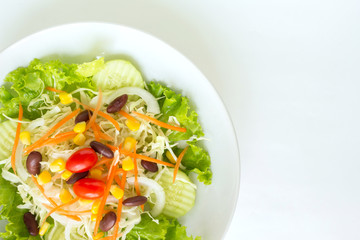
{"points": [[156, 189], [150, 100]]}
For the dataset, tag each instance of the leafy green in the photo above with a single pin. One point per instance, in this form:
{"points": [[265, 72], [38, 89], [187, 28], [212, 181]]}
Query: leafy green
{"points": [[166, 229], [196, 158], [89, 69], [10, 199], [25, 84], [176, 105]]}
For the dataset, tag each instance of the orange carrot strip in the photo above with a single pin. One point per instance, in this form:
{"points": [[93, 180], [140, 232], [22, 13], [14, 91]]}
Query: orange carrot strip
{"points": [[54, 90], [95, 112], [43, 191], [159, 123], [100, 113], [102, 161], [178, 161], [53, 129], [112, 147], [120, 170], [59, 138], [119, 209], [109, 181], [16, 142], [83, 212], [128, 116], [117, 179], [136, 183], [146, 158], [58, 207], [96, 132]]}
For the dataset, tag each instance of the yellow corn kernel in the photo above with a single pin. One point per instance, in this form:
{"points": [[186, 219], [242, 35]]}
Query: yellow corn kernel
{"points": [[44, 177], [65, 196], [57, 165], [84, 202], [65, 175], [98, 236], [79, 139], [128, 164], [80, 127], [132, 125], [25, 137], [44, 228], [95, 173], [65, 98], [95, 206], [129, 143], [93, 217], [170, 156], [116, 191]]}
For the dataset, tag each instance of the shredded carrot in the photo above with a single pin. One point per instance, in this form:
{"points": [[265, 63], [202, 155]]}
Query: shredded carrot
{"points": [[99, 134], [178, 161], [120, 170], [96, 132], [59, 138], [100, 113], [109, 181], [119, 208], [59, 207], [159, 123], [16, 142], [128, 116], [53, 129], [54, 90], [146, 158], [95, 112], [112, 147], [43, 191], [102, 161]]}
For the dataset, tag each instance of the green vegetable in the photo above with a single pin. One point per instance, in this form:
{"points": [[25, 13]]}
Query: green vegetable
{"points": [[176, 105], [7, 136], [197, 160], [166, 229], [28, 83], [118, 74], [180, 196], [10, 199], [89, 69]]}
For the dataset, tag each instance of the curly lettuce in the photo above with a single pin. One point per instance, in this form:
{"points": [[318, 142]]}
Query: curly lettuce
{"points": [[196, 158], [160, 229]]}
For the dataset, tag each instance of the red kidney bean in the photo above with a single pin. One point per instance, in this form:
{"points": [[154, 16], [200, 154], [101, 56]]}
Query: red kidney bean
{"points": [[76, 177], [31, 224], [108, 221], [102, 149], [33, 162], [84, 116], [135, 201], [117, 104], [150, 166]]}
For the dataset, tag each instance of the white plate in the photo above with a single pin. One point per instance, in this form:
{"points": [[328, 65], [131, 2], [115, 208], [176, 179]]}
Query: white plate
{"points": [[79, 42]]}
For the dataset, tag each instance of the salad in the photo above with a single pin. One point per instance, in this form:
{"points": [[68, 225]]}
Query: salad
{"points": [[92, 151]]}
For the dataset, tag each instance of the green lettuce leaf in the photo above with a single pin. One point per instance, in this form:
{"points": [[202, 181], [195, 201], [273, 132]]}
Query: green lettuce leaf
{"points": [[196, 158], [176, 105], [166, 229], [27, 83], [9, 200]]}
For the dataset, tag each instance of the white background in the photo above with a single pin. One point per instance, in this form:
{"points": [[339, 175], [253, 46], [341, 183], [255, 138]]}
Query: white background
{"points": [[289, 74]]}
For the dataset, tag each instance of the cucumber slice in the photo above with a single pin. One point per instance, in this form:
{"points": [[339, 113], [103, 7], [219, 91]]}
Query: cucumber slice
{"points": [[118, 74], [179, 196], [7, 136]]}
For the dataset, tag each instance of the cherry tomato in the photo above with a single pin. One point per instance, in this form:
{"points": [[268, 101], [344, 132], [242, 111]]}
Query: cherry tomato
{"points": [[81, 160], [89, 188]]}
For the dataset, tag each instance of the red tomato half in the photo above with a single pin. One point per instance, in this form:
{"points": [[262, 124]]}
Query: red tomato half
{"points": [[81, 160], [89, 188]]}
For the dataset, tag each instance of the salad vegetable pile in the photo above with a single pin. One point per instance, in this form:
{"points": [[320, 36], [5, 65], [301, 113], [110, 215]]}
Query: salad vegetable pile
{"points": [[92, 151]]}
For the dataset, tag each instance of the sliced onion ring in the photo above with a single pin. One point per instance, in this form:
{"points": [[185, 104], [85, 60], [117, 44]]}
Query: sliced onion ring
{"points": [[150, 100], [156, 189]]}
